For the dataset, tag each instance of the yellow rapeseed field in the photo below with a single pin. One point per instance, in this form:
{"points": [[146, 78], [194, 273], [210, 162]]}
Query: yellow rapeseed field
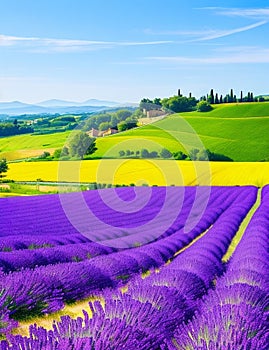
{"points": [[139, 172]]}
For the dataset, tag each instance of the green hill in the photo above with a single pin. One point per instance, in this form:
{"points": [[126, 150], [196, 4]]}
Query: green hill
{"points": [[236, 110], [30, 145], [238, 131]]}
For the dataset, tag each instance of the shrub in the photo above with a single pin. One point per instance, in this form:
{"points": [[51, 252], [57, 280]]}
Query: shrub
{"points": [[204, 106]]}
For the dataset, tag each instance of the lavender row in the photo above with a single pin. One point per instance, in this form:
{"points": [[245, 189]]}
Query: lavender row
{"points": [[19, 242], [44, 216], [11, 261], [123, 323], [33, 215], [204, 257], [48, 287], [15, 261], [219, 200], [155, 318], [235, 314]]}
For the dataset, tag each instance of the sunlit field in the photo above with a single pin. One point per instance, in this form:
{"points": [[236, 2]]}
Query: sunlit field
{"points": [[139, 172]]}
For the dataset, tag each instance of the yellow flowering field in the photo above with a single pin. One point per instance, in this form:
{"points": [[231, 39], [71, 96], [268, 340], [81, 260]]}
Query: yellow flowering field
{"points": [[139, 172]]}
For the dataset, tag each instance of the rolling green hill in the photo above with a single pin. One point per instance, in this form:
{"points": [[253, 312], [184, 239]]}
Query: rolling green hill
{"points": [[236, 110], [30, 145], [238, 131]]}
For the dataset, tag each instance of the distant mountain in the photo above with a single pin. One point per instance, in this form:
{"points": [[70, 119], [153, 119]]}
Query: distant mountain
{"points": [[56, 103], [53, 106], [13, 104]]}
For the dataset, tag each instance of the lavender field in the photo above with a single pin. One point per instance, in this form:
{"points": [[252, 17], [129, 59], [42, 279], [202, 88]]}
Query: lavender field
{"points": [[157, 276]]}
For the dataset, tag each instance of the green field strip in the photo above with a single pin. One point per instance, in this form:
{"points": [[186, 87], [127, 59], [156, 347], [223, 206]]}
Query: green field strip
{"points": [[242, 228], [222, 118]]}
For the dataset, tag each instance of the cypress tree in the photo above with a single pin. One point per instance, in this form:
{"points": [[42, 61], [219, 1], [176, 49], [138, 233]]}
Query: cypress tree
{"points": [[231, 96], [212, 96]]}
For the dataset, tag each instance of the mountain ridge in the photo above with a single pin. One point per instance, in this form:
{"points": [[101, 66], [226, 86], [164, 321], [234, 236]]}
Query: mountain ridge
{"points": [[53, 106]]}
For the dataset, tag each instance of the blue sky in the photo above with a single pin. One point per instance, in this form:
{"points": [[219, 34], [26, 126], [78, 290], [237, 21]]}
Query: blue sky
{"points": [[126, 50]]}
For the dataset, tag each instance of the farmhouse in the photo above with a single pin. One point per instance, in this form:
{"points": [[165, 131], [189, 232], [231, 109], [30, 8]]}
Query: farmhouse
{"points": [[97, 133], [110, 131], [93, 133], [153, 113]]}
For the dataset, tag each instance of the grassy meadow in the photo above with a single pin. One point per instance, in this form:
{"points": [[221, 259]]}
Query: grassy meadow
{"points": [[30, 145], [238, 131]]}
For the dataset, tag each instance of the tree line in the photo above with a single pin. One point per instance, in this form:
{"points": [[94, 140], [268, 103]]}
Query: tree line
{"points": [[164, 153], [15, 128], [121, 120], [215, 98], [179, 103]]}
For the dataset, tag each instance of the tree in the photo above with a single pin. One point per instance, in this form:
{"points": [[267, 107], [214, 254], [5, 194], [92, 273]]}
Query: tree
{"points": [[157, 101], [179, 103], [114, 121], [121, 153], [126, 125], [153, 154], [204, 106], [104, 126], [57, 153], [102, 117], [44, 155], [202, 155], [92, 148], [65, 152], [211, 97], [3, 167], [122, 114], [137, 114], [144, 153], [146, 104], [179, 155], [81, 144], [61, 152], [232, 96], [193, 154], [165, 153]]}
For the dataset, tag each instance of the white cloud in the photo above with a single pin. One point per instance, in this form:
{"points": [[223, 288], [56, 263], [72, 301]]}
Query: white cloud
{"points": [[66, 45], [208, 34], [258, 13], [246, 55], [222, 33]]}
